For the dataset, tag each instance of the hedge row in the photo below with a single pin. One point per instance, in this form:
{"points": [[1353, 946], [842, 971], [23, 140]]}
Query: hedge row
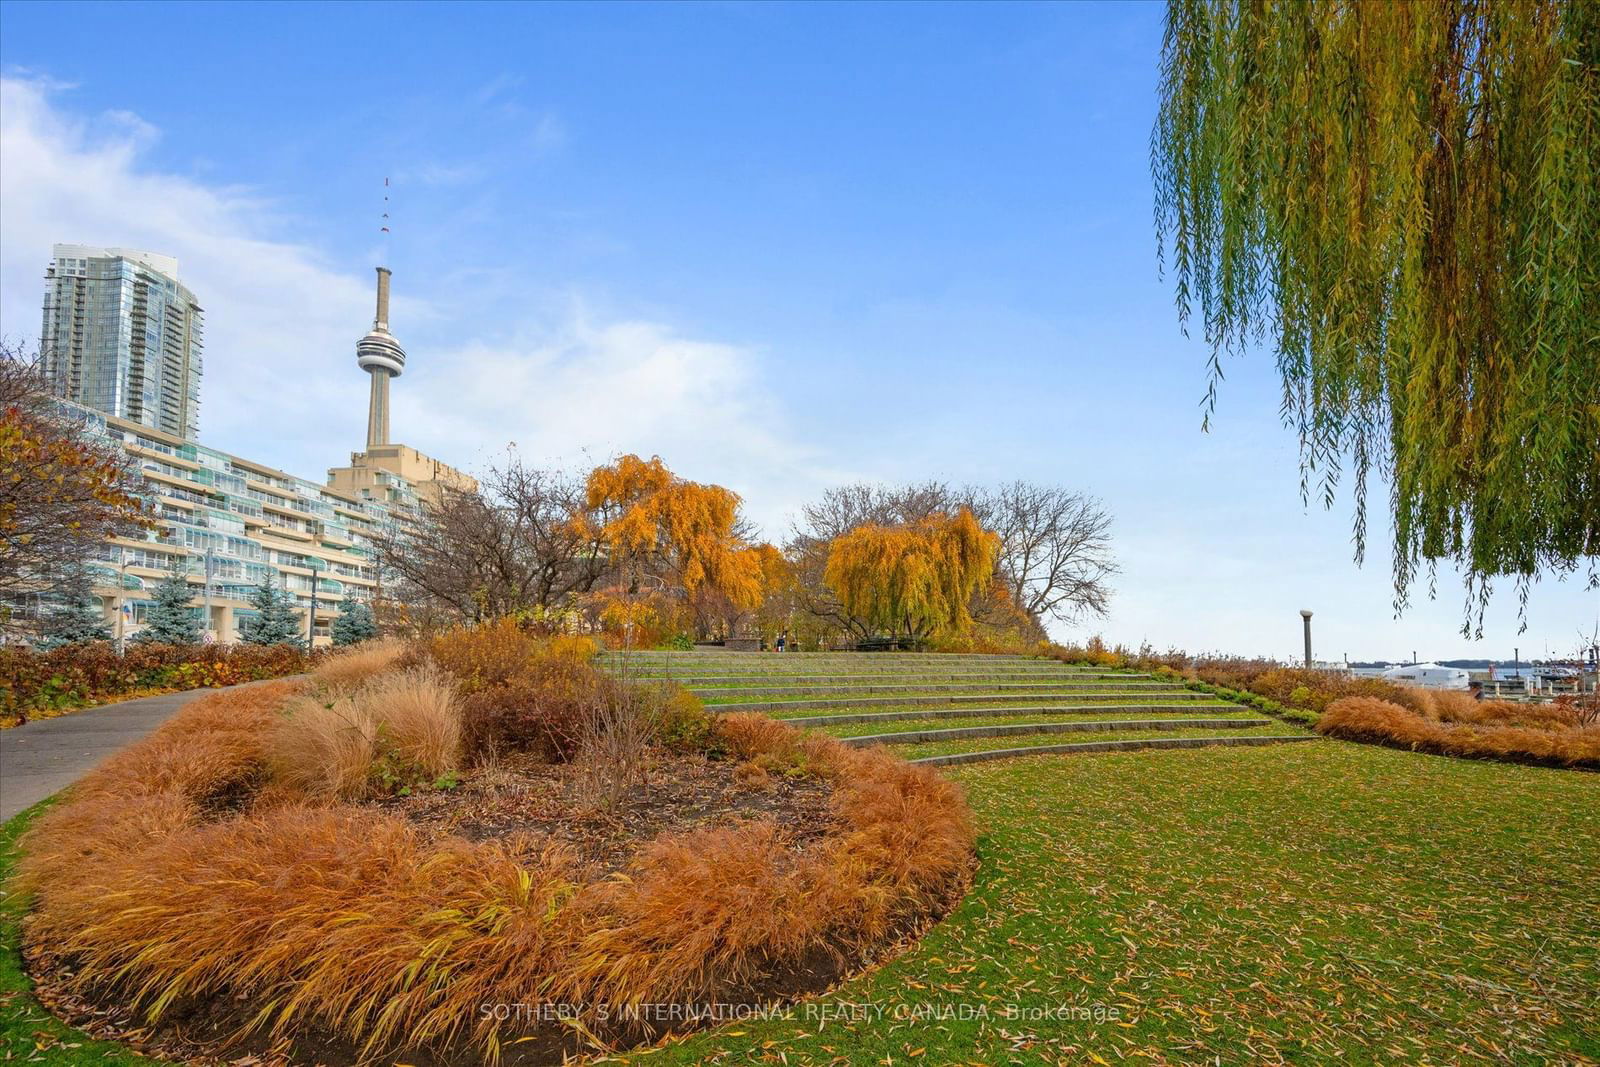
{"points": [[37, 684]]}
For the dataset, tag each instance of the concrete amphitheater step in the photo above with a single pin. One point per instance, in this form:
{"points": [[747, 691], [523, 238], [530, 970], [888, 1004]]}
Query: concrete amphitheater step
{"points": [[1131, 745], [926, 686], [999, 674], [910, 737], [746, 661], [843, 726], [916, 699]]}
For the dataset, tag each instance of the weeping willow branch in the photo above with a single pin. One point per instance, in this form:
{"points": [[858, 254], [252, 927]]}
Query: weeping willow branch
{"points": [[1401, 199]]}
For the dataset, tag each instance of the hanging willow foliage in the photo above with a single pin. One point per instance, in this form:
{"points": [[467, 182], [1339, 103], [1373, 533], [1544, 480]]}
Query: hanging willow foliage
{"points": [[1403, 199], [914, 580], [653, 520]]}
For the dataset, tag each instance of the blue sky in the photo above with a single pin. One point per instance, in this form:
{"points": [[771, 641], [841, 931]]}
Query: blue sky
{"points": [[781, 246]]}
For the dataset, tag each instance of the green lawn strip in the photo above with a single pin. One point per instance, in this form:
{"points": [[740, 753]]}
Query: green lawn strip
{"points": [[1302, 903], [760, 681], [888, 700], [785, 666], [987, 744], [829, 717], [782, 691], [862, 729], [905, 677], [29, 1033]]}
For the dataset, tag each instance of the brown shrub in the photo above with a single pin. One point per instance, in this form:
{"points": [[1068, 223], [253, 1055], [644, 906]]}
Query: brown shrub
{"points": [[1585, 707], [338, 916], [1383, 722], [1461, 707], [539, 709], [748, 733], [500, 653], [682, 723], [36, 683], [614, 742], [1299, 687], [752, 775]]}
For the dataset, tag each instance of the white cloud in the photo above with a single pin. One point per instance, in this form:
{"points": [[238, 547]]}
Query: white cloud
{"points": [[280, 383], [583, 390]]}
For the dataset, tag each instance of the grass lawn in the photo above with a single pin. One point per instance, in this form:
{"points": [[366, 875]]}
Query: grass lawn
{"points": [[984, 744], [956, 722], [1297, 902], [792, 707]]}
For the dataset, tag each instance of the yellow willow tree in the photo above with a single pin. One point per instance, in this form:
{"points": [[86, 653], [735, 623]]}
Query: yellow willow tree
{"points": [[671, 537], [914, 580], [1401, 200]]}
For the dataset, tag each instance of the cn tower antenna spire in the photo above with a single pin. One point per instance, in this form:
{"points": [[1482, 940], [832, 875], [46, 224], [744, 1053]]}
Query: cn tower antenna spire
{"points": [[383, 244]]}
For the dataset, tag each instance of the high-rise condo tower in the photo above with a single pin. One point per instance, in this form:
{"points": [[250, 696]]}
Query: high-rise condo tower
{"points": [[120, 335]]}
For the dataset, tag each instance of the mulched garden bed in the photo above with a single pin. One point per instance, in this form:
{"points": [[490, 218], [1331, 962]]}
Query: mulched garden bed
{"points": [[529, 804], [532, 804], [267, 921]]}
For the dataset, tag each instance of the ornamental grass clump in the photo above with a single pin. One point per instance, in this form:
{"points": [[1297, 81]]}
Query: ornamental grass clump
{"points": [[1499, 730], [396, 730], [349, 668]]}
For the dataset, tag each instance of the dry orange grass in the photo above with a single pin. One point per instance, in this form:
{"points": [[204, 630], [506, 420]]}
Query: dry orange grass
{"points": [[703, 913], [350, 668], [405, 725], [749, 734], [1461, 727], [320, 913]]}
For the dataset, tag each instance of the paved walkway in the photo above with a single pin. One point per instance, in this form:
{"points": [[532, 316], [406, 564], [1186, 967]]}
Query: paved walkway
{"points": [[43, 757]]}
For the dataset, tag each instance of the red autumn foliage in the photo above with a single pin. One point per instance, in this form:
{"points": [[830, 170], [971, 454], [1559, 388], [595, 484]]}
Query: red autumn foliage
{"points": [[79, 675]]}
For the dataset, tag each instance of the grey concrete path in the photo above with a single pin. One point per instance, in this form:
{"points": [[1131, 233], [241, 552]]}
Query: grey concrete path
{"points": [[43, 757]]}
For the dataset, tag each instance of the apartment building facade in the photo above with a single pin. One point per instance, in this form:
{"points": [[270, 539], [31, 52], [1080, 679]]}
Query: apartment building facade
{"points": [[251, 522]]}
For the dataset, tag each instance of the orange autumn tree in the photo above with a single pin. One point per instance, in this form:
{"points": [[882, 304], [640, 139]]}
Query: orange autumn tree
{"points": [[671, 542], [913, 580], [62, 493]]}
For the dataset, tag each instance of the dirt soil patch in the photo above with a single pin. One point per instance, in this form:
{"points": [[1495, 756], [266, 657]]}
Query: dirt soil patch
{"points": [[531, 804]]}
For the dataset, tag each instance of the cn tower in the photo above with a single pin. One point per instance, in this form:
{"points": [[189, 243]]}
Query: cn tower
{"points": [[381, 356]]}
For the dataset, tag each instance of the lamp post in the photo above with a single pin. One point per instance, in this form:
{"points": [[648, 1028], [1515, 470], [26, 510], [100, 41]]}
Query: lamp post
{"points": [[1305, 614], [311, 623], [122, 596], [205, 630]]}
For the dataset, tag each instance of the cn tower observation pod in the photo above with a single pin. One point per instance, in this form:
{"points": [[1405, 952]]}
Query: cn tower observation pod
{"points": [[378, 350]]}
